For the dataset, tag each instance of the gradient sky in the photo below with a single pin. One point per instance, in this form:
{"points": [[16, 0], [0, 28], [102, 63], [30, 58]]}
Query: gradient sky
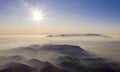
{"points": [[61, 16]]}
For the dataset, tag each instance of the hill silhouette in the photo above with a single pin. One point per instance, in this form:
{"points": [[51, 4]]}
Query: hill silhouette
{"points": [[67, 58]]}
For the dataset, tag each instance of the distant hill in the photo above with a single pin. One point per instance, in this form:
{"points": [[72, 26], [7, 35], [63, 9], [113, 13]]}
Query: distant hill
{"points": [[72, 35]]}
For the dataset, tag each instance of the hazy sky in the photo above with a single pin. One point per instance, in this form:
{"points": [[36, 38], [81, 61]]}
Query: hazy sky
{"points": [[60, 16]]}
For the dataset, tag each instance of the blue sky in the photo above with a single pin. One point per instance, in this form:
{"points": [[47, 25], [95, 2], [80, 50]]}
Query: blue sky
{"points": [[62, 16]]}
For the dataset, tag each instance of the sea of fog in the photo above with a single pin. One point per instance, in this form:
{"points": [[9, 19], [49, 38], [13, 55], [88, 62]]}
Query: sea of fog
{"points": [[108, 47]]}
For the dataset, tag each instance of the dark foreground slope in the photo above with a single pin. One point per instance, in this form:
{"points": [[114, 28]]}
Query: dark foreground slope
{"points": [[62, 58]]}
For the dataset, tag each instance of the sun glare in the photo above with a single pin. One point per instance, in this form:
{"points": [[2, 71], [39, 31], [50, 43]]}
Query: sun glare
{"points": [[37, 16]]}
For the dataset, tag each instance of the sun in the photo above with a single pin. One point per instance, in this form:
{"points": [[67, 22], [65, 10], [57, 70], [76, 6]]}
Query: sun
{"points": [[37, 16]]}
